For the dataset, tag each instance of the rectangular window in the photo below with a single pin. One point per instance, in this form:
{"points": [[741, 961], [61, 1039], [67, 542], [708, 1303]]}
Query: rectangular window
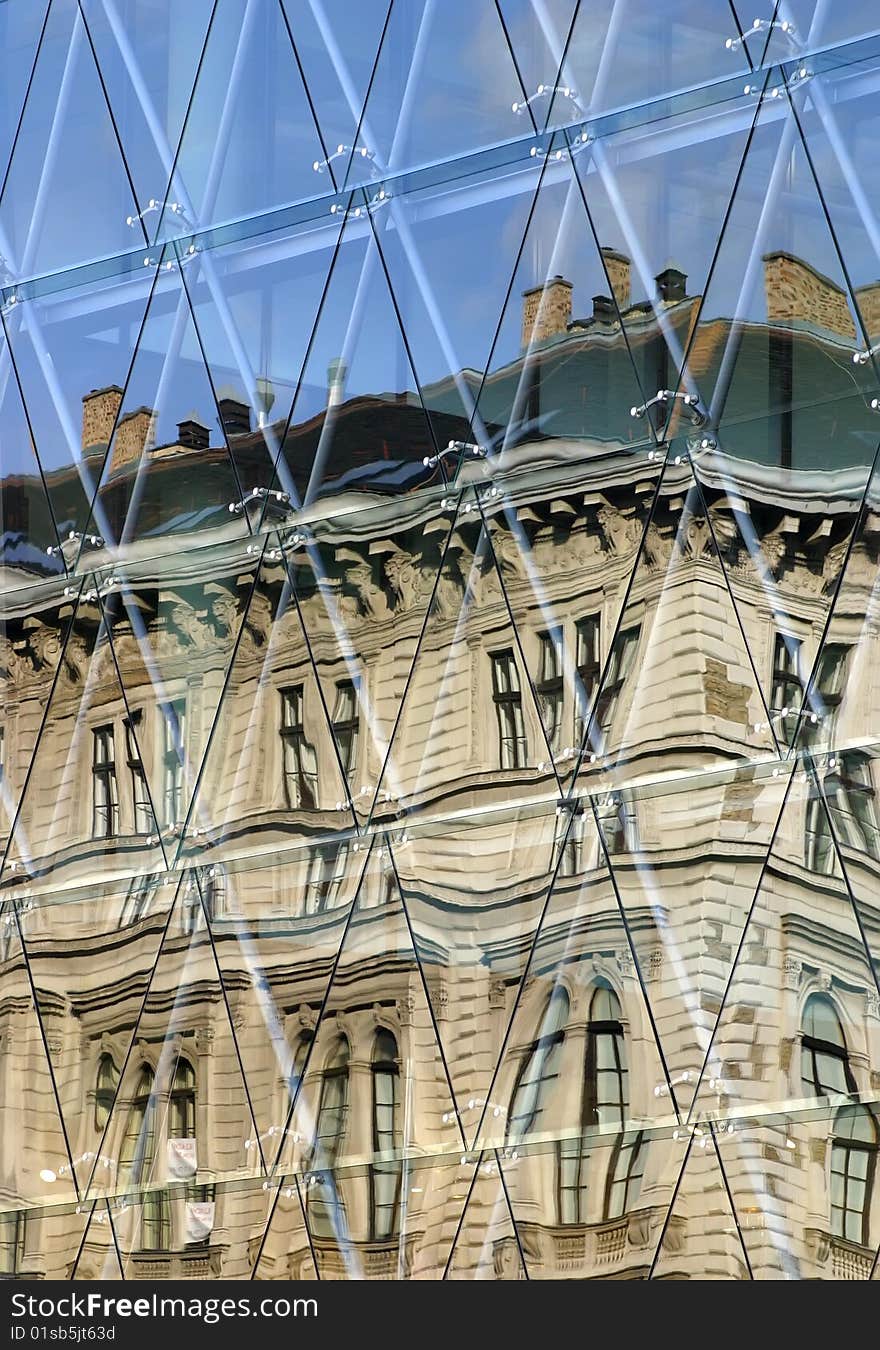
{"points": [[588, 673], [143, 811], [849, 790], [325, 876], [787, 689], [569, 839], [826, 692], [300, 763], [818, 844], [623, 654], [173, 760], [345, 724], [13, 1241], [507, 696], [105, 795], [549, 686], [138, 898]]}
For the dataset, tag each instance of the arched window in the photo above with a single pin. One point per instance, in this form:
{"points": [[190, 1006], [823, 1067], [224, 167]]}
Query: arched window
{"points": [[853, 1163], [105, 1090], [385, 1176], [605, 1102], [539, 1070], [325, 1211], [824, 1062], [182, 1114], [136, 1157]]}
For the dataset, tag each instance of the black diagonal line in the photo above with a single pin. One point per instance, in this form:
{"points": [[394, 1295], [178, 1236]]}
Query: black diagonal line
{"points": [[404, 696], [307, 91], [503, 1179], [116, 1246], [740, 34], [606, 856], [566, 46], [104, 466], [27, 417], [135, 1024], [105, 624], [36, 1006], [269, 1218], [507, 294], [82, 1242], [590, 721], [861, 515], [222, 983], [25, 100], [308, 351], [192, 314], [727, 582], [185, 123], [742, 940], [425, 990], [367, 93], [134, 197], [302, 1206], [409, 354], [461, 1218], [874, 1266], [536, 707], [194, 795], [742, 1242], [323, 1008], [713, 265], [519, 78], [533, 947], [74, 603], [290, 584], [793, 104], [659, 1247], [820, 791], [653, 433]]}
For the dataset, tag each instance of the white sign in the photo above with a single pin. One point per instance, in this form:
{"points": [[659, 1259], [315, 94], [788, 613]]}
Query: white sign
{"points": [[199, 1220], [182, 1160]]}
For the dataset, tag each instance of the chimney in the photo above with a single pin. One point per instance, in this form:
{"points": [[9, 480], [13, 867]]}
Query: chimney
{"points": [[795, 290], [235, 416], [135, 432], [618, 267], [337, 373], [604, 309], [671, 285], [100, 409], [546, 310], [193, 435]]}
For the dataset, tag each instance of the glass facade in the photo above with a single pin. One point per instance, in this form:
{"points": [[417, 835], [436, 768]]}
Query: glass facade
{"points": [[440, 602]]}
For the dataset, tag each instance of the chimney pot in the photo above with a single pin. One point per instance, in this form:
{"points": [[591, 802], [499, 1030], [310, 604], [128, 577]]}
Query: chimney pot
{"points": [[192, 435], [671, 285], [235, 416]]}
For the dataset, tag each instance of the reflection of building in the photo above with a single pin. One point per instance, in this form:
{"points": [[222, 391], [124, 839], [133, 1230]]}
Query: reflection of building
{"points": [[462, 820]]}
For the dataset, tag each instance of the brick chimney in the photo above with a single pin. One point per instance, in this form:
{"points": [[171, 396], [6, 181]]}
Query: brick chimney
{"points": [[193, 435], [100, 409], [796, 291], [546, 310], [619, 268], [868, 300], [235, 416], [135, 432]]}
